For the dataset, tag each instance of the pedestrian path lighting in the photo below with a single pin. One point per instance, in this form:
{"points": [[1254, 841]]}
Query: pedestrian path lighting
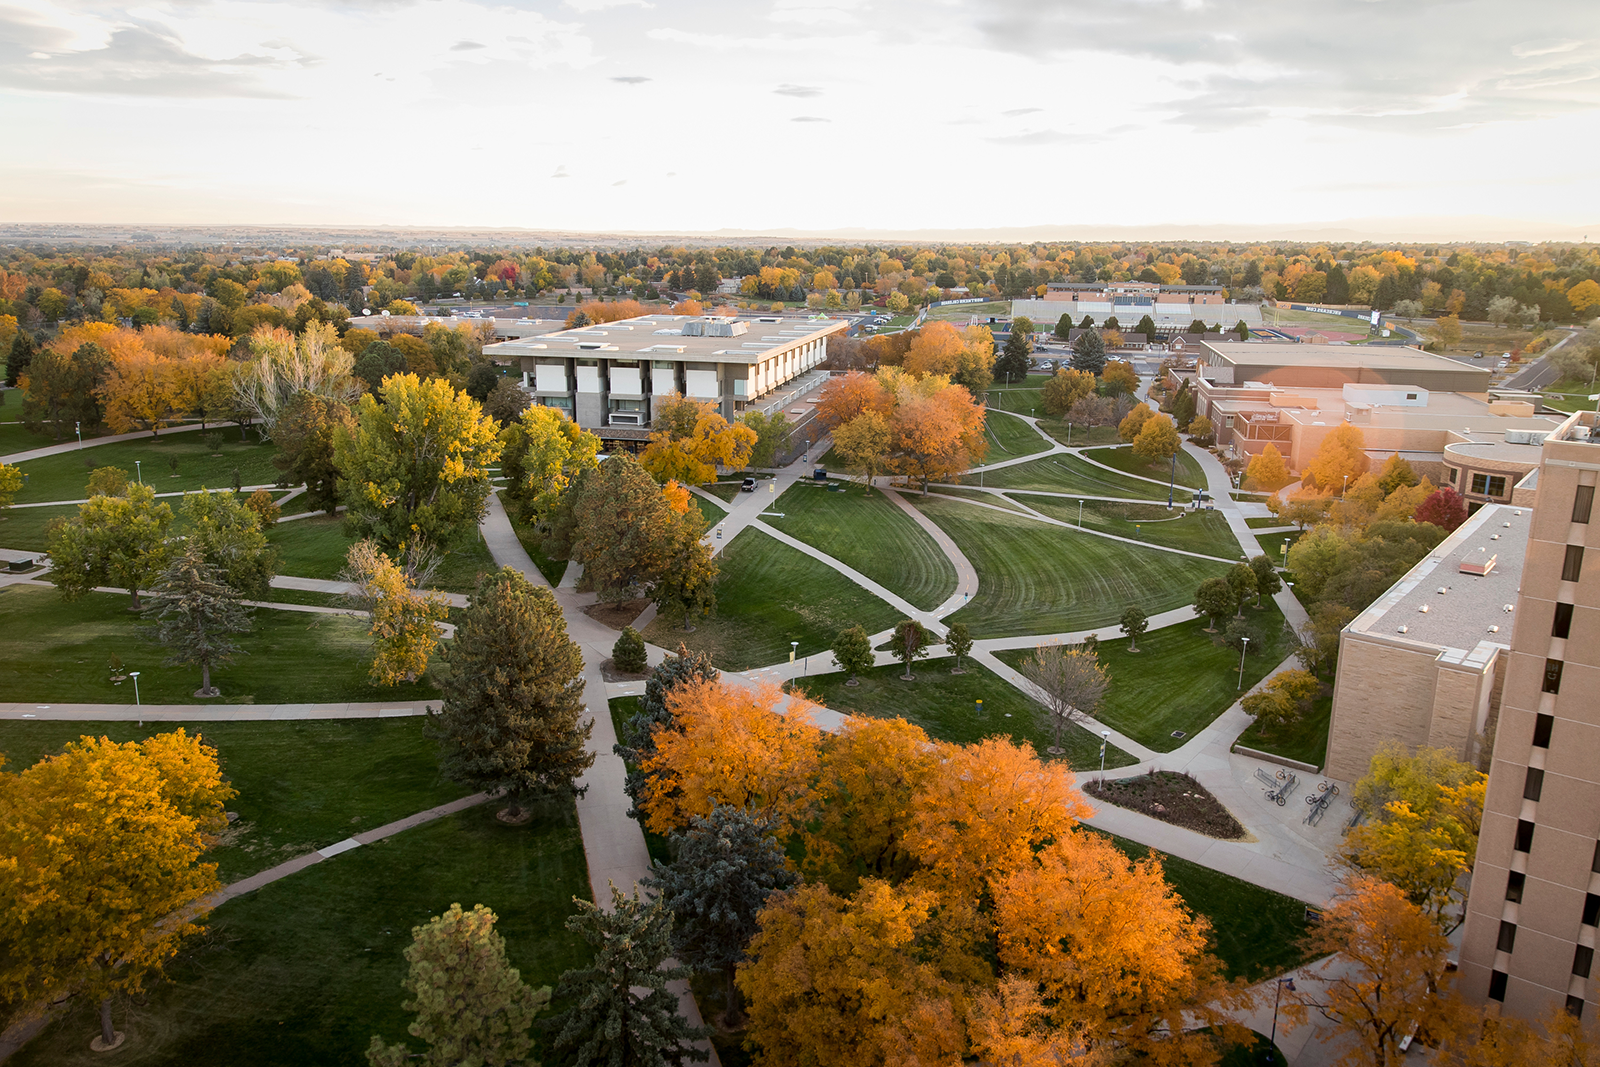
{"points": [[1269, 1056], [138, 466], [1080, 514], [794, 646], [1172, 481], [1286, 550], [1105, 739], [135, 676], [1243, 648]]}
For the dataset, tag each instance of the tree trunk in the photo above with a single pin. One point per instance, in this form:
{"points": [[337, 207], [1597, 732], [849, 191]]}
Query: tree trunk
{"points": [[136, 606], [108, 1036], [205, 679], [733, 1014]]}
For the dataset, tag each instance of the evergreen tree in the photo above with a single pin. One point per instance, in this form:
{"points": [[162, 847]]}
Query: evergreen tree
{"points": [[1089, 352], [727, 865], [1063, 328], [1087, 323], [628, 654], [609, 1022], [19, 358], [1267, 580], [472, 1006], [511, 722], [853, 651], [1147, 326], [1013, 362], [377, 361], [637, 741], [196, 611], [959, 641], [1242, 330]]}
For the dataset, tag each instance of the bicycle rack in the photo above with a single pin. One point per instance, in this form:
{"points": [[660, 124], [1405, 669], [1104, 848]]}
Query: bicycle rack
{"points": [[1319, 802], [1278, 787]]}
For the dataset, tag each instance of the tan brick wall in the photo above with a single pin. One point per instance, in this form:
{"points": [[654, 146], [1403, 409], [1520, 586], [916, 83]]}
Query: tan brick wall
{"points": [[1382, 692]]}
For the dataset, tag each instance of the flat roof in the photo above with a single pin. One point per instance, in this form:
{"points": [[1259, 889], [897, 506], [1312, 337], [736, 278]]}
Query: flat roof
{"points": [[1374, 357], [1462, 609], [747, 339]]}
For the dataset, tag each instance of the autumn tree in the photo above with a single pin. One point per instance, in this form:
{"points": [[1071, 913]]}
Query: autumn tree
{"points": [[10, 484], [725, 866], [1128, 429], [1557, 1038], [281, 366], [113, 540], [864, 443], [1267, 471], [415, 464], [1072, 683], [1134, 623], [636, 738], [63, 389], [196, 613], [1390, 977], [622, 1012], [772, 437], [1118, 379], [544, 452], [1424, 813], [1340, 458], [845, 396], [1157, 439], [959, 642], [141, 391], [102, 882], [966, 357], [852, 650], [471, 1005], [937, 430], [1214, 598], [1444, 508], [305, 433], [1267, 580], [691, 441], [404, 621], [909, 643], [1065, 388], [1285, 699]]}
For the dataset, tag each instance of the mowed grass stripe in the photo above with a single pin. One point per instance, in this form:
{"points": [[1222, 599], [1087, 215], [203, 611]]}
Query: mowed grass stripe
{"points": [[1034, 578], [1205, 532], [769, 594], [868, 533], [65, 476], [1123, 459], [1011, 437], [1069, 474]]}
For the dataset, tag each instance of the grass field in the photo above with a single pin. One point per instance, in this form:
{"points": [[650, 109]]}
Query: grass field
{"points": [[961, 312], [976, 494], [1263, 522], [64, 477], [1019, 397], [709, 509], [1189, 472], [1069, 474], [1038, 579], [55, 651], [1193, 531], [1256, 930], [304, 971], [768, 595], [725, 491], [1272, 543], [1010, 438], [14, 437], [1306, 740], [26, 528], [316, 548], [945, 705], [871, 535], [1181, 678], [302, 785]]}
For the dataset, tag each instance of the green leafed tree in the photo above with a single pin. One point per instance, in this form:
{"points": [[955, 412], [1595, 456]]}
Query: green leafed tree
{"points": [[544, 452], [772, 437], [1214, 598], [471, 1005], [1147, 326], [304, 434], [1267, 581], [852, 649], [1242, 581], [1012, 366], [909, 643], [1134, 623], [628, 654], [622, 1013], [1063, 328], [511, 721], [725, 867], [197, 613], [114, 540], [229, 536], [959, 641], [10, 483]]}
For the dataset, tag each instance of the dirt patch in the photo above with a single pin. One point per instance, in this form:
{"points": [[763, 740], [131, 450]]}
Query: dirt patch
{"points": [[608, 671], [1173, 798], [619, 615]]}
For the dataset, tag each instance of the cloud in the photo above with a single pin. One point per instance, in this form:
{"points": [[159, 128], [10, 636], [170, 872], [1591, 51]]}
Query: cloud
{"points": [[561, 171], [813, 13], [631, 79], [586, 6], [723, 42], [622, 182], [466, 46], [797, 90], [132, 61], [1014, 112], [1038, 137], [809, 118]]}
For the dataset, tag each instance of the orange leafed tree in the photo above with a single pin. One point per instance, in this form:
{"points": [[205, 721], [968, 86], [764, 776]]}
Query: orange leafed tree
{"points": [[846, 396], [726, 745], [1342, 453], [937, 428], [600, 312], [938, 349]]}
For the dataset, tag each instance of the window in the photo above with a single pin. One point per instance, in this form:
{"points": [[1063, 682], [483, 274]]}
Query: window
{"points": [[1582, 961], [1497, 986], [1516, 882], [1594, 864], [1508, 937], [1453, 473], [1591, 910], [1572, 566], [1542, 726], [1552, 675], [1411, 396], [1562, 626], [1533, 785], [1489, 484], [1582, 503], [1524, 836], [1574, 1007]]}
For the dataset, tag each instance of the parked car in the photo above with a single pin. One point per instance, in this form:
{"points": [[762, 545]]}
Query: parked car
{"points": [[748, 485]]}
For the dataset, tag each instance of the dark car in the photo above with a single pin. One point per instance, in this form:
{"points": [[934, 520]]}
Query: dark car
{"points": [[748, 485]]}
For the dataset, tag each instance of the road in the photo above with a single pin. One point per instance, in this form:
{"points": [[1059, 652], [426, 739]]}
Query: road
{"points": [[1540, 373]]}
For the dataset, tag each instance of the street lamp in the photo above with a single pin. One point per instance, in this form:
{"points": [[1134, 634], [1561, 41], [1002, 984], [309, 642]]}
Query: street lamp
{"points": [[138, 466], [794, 646], [1172, 480], [1343, 487], [1069, 433], [1286, 551], [1243, 648], [1105, 739], [136, 702], [1273, 1040], [1080, 514], [78, 426]]}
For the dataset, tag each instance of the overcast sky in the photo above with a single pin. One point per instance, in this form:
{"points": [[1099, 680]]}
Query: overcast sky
{"points": [[697, 115]]}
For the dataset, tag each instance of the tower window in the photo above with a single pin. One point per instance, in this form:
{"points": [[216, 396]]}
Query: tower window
{"points": [[1591, 910], [1497, 986], [1574, 1007], [1572, 566], [1533, 784], [1562, 626], [1524, 836], [1542, 725], [1508, 937], [1516, 882], [1582, 503], [1552, 675], [1582, 961]]}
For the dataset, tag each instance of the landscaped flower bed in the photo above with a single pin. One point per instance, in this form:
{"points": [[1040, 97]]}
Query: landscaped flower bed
{"points": [[1170, 797]]}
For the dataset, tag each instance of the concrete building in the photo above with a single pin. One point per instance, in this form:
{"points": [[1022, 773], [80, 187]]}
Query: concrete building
{"points": [[1424, 663], [1302, 366], [609, 378], [1134, 293], [1129, 308], [1529, 940]]}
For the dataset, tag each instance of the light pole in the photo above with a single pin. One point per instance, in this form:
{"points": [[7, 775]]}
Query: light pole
{"points": [[136, 702], [1286, 551], [1243, 648], [78, 426], [1172, 480], [794, 646], [1080, 514], [1273, 1040], [138, 466], [1105, 739], [1069, 433], [1345, 486]]}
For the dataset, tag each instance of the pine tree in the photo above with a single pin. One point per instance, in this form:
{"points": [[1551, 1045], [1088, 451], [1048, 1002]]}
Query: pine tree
{"points": [[196, 611], [1089, 352], [1013, 362], [1063, 328], [727, 865], [511, 721], [609, 1023], [636, 742], [628, 655], [471, 1005], [853, 651], [20, 356]]}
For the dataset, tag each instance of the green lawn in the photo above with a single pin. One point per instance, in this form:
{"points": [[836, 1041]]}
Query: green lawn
{"points": [[1039, 579], [870, 534], [1272, 544], [622, 709], [1305, 740], [316, 548], [64, 477], [1069, 474], [1256, 931], [552, 569], [960, 312], [53, 650], [1024, 397], [306, 970], [302, 785], [726, 491], [945, 705], [1264, 522], [1010, 438], [25, 528], [1193, 531], [1181, 678], [1079, 435], [710, 510], [768, 595], [976, 494], [1122, 458]]}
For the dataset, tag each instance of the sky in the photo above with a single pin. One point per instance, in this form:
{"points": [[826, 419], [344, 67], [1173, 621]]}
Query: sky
{"points": [[686, 116]]}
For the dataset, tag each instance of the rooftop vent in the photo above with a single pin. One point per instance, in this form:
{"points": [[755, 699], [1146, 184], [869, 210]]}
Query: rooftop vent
{"points": [[1423, 609], [1480, 566], [1508, 608], [1402, 629], [1443, 589], [1494, 629]]}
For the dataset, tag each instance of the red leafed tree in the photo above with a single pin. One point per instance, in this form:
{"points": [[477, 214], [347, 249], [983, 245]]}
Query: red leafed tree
{"points": [[1444, 508]]}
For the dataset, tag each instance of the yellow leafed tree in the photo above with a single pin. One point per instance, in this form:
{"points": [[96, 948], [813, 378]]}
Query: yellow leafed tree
{"points": [[1341, 454], [404, 621]]}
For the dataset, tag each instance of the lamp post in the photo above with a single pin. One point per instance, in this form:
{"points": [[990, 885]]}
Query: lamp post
{"points": [[1069, 433], [78, 426], [1243, 648], [136, 702], [138, 466], [1286, 551], [1277, 998], [794, 646], [1345, 486], [1080, 514], [1105, 739], [1172, 480]]}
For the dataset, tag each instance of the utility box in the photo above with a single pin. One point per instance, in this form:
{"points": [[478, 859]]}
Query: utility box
{"points": [[820, 474]]}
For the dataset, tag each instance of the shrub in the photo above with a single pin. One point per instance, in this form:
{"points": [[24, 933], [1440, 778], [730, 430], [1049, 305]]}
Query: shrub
{"points": [[628, 654]]}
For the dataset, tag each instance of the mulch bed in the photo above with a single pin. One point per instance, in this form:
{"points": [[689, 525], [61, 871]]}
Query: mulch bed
{"points": [[608, 671], [619, 615], [1173, 798]]}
